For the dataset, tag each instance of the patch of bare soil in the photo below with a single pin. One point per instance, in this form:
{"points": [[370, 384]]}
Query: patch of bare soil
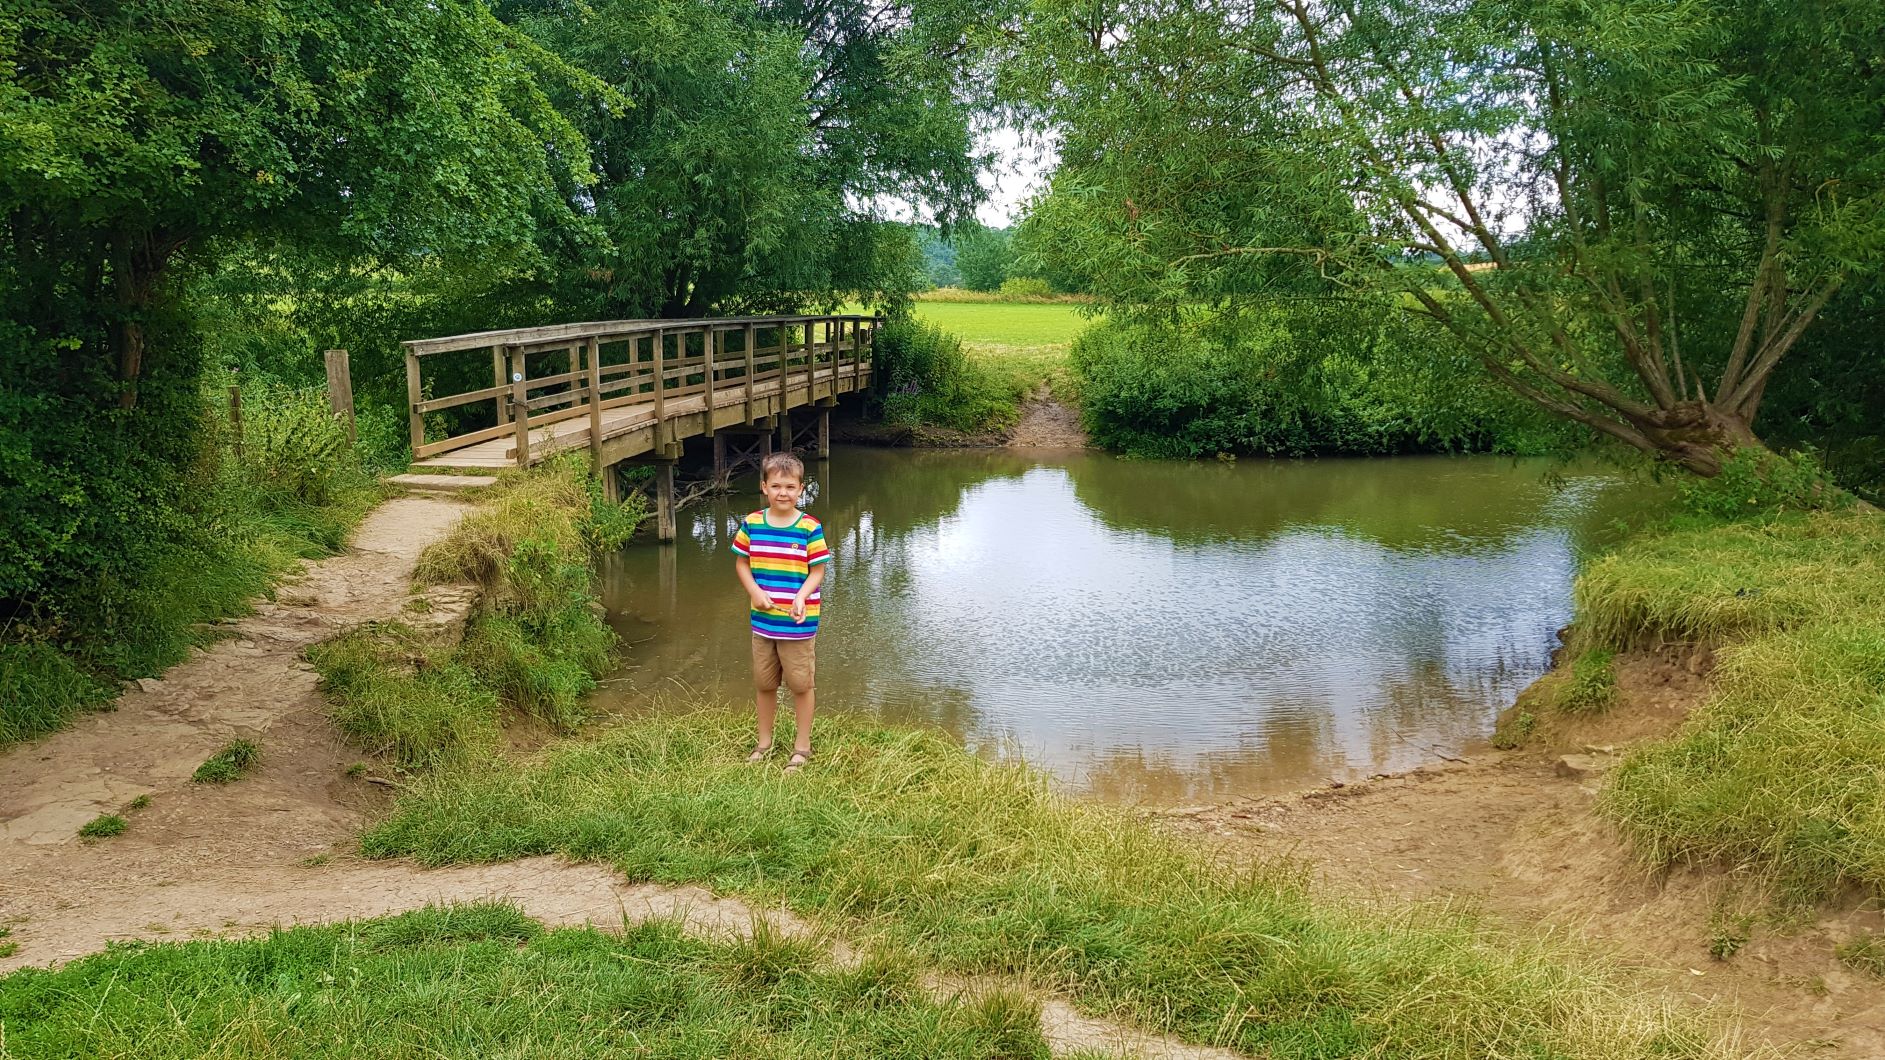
{"points": [[1047, 424], [1515, 835]]}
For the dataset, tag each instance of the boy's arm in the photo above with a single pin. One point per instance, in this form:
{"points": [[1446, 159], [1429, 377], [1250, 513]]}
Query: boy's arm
{"points": [[754, 594], [812, 581]]}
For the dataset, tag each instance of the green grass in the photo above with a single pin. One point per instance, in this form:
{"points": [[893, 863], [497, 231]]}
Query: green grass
{"points": [[903, 839], [536, 646], [1863, 953], [1780, 770], [1006, 325], [7, 946], [229, 764], [484, 980], [104, 826], [1592, 684]]}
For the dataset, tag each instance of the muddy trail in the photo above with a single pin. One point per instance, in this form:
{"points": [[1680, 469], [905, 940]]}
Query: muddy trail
{"points": [[1515, 834], [275, 849]]}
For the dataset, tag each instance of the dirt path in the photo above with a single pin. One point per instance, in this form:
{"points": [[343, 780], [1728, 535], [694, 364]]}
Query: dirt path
{"points": [[1047, 424], [1513, 835]]}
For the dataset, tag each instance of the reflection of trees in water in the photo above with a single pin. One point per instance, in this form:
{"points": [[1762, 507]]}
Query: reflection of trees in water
{"points": [[1448, 504]]}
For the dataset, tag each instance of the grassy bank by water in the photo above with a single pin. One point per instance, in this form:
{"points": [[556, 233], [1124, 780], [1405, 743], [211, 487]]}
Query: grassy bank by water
{"points": [[902, 838], [969, 366], [1779, 771], [486, 981], [536, 645]]}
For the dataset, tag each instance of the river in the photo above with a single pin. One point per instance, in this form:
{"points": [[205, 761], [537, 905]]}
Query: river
{"points": [[1150, 632]]}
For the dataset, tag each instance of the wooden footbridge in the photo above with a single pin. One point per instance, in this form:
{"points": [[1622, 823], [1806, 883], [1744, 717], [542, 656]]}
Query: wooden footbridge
{"points": [[634, 390]]}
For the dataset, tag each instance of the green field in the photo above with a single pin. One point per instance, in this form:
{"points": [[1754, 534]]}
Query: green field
{"points": [[1006, 325]]}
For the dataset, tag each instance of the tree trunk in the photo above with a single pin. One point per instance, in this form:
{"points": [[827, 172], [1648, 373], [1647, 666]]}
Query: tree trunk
{"points": [[134, 267], [1698, 435]]}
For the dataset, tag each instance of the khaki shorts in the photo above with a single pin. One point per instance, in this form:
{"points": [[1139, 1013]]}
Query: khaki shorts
{"points": [[791, 660]]}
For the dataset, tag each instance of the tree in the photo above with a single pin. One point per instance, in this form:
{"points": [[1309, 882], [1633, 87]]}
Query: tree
{"points": [[1635, 208], [765, 134], [137, 136], [984, 257]]}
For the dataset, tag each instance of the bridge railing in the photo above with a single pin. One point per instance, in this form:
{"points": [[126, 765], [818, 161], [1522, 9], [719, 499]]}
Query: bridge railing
{"points": [[601, 365]]}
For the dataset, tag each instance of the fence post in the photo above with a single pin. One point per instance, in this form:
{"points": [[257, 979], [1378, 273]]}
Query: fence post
{"points": [[413, 396], [235, 417], [340, 391]]}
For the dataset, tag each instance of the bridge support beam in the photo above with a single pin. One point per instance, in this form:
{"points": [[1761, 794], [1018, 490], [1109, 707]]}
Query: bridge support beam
{"points": [[809, 431], [665, 523]]}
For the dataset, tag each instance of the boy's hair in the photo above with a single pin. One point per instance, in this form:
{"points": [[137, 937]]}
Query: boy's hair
{"points": [[781, 464]]}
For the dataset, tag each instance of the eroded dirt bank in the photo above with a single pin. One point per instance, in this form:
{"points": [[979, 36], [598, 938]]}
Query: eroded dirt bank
{"points": [[1515, 833]]}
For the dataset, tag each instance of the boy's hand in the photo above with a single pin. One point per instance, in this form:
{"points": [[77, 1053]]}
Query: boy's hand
{"points": [[798, 608], [760, 601]]}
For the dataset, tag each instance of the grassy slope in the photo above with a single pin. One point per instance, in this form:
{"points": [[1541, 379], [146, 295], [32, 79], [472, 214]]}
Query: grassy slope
{"points": [[486, 981], [1013, 348], [904, 838], [1006, 325], [1781, 769]]}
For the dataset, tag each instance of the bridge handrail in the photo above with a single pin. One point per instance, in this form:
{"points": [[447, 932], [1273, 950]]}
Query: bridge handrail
{"points": [[591, 386]]}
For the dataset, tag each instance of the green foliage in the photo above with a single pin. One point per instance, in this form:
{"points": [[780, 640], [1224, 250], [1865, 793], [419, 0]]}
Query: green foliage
{"points": [[924, 376], [1022, 288], [1756, 482], [484, 980], [983, 257], [536, 646], [7, 946], [1296, 381], [977, 867], [1674, 195], [229, 764], [41, 688], [104, 826], [1778, 770], [1592, 685]]}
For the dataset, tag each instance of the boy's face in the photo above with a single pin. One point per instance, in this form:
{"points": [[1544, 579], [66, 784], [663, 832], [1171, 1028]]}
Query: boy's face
{"points": [[782, 491]]}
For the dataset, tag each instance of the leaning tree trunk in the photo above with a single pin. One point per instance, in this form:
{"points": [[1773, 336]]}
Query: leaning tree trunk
{"points": [[1698, 435]]}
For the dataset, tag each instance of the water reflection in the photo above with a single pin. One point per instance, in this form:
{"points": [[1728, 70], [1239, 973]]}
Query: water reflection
{"points": [[1152, 631]]}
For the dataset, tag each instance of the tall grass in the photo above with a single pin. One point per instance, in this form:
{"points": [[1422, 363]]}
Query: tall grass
{"points": [[904, 838], [290, 489], [537, 645], [484, 980], [1781, 769]]}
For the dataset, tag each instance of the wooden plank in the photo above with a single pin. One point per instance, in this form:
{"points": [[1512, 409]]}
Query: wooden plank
{"points": [[412, 400], [660, 381], [605, 330], [462, 441], [467, 398]]}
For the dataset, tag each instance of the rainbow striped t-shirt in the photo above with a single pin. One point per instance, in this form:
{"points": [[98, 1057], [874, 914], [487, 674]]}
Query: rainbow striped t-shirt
{"points": [[782, 558]]}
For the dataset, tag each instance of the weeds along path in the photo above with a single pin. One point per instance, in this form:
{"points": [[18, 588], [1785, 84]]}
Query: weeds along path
{"points": [[1516, 834], [251, 684]]}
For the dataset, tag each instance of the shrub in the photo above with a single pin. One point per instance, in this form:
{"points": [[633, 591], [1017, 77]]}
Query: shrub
{"points": [[1025, 288], [1592, 684], [1756, 482], [924, 376]]}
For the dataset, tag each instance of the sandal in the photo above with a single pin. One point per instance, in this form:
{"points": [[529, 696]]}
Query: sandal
{"points": [[760, 754], [797, 761]]}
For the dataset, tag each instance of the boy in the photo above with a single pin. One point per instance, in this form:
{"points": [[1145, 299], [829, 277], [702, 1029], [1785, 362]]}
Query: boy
{"points": [[782, 559]]}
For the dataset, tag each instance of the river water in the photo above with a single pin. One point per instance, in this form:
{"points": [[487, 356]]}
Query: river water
{"points": [[1148, 631]]}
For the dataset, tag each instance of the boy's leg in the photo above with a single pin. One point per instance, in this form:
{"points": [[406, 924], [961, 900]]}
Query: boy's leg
{"points": [[798, 665], [766, 673]]}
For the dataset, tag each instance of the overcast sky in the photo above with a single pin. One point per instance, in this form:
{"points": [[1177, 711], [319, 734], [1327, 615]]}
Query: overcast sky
{"points": [[1020, 170]]}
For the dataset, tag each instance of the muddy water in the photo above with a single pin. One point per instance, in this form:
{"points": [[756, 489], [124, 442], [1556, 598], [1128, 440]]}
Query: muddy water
{"points": [[1149, 631]]}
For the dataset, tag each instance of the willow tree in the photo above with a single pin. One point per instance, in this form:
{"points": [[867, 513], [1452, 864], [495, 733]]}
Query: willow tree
{"points": [[1626, 211]]}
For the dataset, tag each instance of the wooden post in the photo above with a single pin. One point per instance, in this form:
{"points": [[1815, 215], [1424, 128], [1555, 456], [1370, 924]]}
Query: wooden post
{"points": [[857, 351], [751, 333], [665, 529], [340, 391], [661, 409], [785, 431], [706, 349], [413, 392], [811, 358], [592, 351], [235, 418], [497, 379], [824, 433], [520, 409], [720, 474]]}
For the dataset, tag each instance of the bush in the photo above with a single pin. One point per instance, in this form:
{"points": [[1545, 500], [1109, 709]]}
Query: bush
{"points": [[925, 377], [1756, 482], [1592, 684], [1024, 288], [1294, 381]]}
